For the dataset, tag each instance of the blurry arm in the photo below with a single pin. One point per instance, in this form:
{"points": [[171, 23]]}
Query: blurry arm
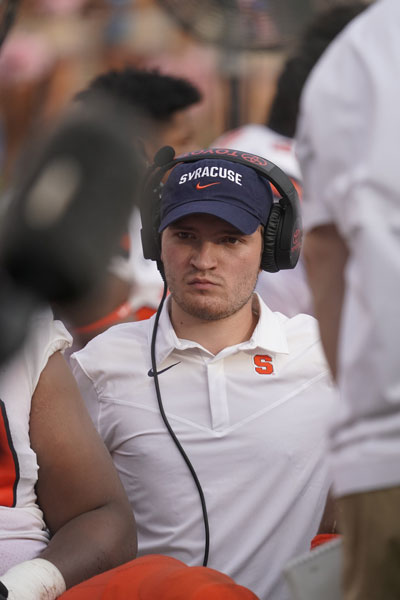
{"points": [[325, 255], [84, 505]]}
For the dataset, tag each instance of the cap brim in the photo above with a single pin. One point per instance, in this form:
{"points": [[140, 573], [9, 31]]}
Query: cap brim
{"points": [[236, 216]]}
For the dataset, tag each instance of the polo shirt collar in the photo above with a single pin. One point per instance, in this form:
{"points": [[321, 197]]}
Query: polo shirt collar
{"points": [[268, 334]]}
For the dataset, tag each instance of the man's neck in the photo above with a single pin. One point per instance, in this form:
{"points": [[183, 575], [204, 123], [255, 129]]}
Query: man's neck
{"points": [[216, 335]]}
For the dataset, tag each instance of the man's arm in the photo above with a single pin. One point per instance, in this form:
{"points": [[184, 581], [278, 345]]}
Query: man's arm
{"points": [[85, 507], [325, 256]]}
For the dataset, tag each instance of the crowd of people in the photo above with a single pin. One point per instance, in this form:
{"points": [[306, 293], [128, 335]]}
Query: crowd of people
{"points": [[227, 399]]}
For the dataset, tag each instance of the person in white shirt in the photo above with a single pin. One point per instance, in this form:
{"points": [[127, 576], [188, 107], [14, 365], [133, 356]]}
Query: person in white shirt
{"points": [[245, 391], [347, 144], [64, 516]]}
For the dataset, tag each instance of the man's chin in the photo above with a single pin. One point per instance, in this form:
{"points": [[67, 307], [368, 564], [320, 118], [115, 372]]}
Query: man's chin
{"points": [[205, 309]]}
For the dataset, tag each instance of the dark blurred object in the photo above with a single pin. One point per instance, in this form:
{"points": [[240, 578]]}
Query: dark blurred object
{"points": [[8, 12], [66, 212]]}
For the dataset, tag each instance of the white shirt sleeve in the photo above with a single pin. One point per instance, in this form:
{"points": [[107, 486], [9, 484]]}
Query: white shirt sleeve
{"points": [[87, 389]]}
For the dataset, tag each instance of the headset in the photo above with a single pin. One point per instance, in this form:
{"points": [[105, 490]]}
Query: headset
{"points": [[282, 245], [282, 232]]}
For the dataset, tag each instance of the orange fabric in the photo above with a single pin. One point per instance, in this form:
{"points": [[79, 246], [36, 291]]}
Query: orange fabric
{"points": [[322, 538], [112, 318], [143, 313], [157, 577], [8, 462]]}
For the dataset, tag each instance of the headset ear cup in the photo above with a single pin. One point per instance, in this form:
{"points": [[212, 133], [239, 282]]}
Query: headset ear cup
{"points": [[271, 235]]}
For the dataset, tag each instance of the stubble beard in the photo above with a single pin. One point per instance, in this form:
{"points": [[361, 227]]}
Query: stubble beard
{"points": [[208, 307]]}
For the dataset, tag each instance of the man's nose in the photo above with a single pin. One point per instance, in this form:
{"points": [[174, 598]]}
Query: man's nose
{"points": [[204, 256]]}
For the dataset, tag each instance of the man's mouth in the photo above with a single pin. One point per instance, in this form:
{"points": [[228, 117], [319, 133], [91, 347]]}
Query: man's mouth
{"points": [[201, 283]]}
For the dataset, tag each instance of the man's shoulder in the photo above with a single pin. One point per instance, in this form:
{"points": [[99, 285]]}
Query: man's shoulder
{"points": [[120, 342], [121, 331]]}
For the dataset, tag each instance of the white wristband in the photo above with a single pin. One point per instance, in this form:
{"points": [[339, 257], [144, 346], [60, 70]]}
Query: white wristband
{"points": [[36, 579]]}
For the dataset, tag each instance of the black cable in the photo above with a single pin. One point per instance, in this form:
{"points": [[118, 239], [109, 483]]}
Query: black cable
{"points": [[171, 431]]}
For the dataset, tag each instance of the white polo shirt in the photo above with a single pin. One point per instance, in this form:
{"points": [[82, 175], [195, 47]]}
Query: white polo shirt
{"points": [[351, 178], [252, 420]]}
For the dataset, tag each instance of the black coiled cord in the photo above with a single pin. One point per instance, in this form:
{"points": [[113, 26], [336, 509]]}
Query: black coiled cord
{"points": [[171, 431]]}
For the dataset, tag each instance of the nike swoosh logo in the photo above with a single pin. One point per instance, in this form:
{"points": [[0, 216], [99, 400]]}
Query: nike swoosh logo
{"points": [[151, 372], [201, 187]]}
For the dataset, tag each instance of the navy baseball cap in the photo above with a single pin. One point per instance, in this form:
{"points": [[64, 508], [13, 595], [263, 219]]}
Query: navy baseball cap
{"points": [[228, 190]]}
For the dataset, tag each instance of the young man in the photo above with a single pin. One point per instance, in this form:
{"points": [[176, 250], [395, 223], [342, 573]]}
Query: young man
{"points": [[246, 391], [352, 217]]}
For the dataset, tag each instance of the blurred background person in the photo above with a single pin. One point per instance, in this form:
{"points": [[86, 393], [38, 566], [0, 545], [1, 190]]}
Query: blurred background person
{"points": [[164, 100], [60, 498], [26, 68], [347, 146]]}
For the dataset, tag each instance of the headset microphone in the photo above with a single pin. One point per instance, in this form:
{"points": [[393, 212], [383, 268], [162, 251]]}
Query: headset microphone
{"points": [[164, 156]]}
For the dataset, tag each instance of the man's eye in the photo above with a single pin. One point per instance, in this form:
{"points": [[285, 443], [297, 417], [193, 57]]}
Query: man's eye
{"points": [[183, 235], [230, 240]]}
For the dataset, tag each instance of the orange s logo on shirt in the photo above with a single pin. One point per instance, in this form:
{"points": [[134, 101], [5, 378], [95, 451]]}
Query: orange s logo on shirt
{"points": [[263, 364], [9, 467]]}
